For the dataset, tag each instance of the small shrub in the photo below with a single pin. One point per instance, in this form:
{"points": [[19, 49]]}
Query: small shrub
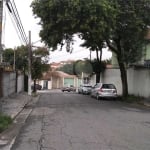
{"points": [[132, 99], [5, 121]]}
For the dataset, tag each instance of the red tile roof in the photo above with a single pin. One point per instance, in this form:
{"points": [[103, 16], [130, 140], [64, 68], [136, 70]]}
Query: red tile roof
{"points": [[48, 75]]}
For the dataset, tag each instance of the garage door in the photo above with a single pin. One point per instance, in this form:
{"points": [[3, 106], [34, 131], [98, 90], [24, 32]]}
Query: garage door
{"points": [[68, 81]]}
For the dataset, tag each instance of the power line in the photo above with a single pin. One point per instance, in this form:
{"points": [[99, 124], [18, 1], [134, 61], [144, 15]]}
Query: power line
{"points": [[3, 26], [13, 12], [20, 21], [15, 27]]}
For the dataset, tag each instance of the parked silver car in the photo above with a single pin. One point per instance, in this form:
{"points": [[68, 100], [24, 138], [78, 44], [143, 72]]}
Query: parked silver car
{"points": [[68, 88], [102, 90], [85, 89]]}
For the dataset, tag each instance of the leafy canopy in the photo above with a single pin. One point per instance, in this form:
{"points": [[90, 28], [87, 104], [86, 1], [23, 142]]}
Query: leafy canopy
{"points": [[39, 60], [60, 19]]}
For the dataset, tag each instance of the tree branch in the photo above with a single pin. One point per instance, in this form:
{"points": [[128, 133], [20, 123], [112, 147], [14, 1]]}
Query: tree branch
{"points": [[111, 46]]}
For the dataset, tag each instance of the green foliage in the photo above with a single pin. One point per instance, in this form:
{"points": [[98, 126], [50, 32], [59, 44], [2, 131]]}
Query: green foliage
{"points": [[21, 58], [67, 68], [39, 63], [128, 34], [39, 60], [21, 54], [8, 56], [83, 67], [98, 67], [61, 19], [132, 99], [38, 68], [5, 121]]}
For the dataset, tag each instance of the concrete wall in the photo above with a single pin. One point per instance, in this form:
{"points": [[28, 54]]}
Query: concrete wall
{"points": [[9, 83], [57, 82], [138, 81]]}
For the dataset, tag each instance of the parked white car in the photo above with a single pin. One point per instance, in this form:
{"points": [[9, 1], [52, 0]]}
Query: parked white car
{"points": [[102, 90], [68, 88], [85, 89]]}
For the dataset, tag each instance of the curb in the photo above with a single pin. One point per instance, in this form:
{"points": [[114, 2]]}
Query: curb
{"points": [[7, 137], [146, 104]]}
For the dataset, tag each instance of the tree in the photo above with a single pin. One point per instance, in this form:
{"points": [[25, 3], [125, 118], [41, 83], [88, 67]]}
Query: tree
{"points": [[39, 64], [60, 20], [127, 37], [21, 60], [8, 56], [20, 57], [67, 68], [82, 66], [89, 19], [97, 46], [39, 60], [98, 68], [121, 24]]}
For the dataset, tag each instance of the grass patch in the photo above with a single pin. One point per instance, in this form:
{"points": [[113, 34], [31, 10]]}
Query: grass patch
{"points": [[5, 121], [34, 94], [132, 99]]}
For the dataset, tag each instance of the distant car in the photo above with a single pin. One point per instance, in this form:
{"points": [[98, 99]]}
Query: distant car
{"points": [[37, 86], [102, 90], [68, 88], [84, 89]]}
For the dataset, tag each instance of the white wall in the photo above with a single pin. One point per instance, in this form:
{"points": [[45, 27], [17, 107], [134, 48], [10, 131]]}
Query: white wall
{"points": [[112, 76], [9, 83], [93, 80], [138, 81], [49, 85]]}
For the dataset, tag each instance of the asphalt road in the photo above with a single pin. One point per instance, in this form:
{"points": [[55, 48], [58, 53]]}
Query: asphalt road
{"points": [[69, 121]]}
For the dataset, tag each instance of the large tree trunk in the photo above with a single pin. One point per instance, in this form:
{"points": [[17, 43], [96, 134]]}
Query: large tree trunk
{"points": [[123, 73], [122, 67], [98, 77], [99, 60], [34, 87]]}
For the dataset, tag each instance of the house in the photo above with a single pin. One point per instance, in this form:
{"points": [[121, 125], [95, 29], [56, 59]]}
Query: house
{"points": [[58, 79]]}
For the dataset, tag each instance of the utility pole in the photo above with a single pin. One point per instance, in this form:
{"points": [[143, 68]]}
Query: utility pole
{"points": [[1, 20], [14, 65], [29, 64]]}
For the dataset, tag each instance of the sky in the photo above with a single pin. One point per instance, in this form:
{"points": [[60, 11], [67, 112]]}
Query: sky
{"points": [[11, 39]]}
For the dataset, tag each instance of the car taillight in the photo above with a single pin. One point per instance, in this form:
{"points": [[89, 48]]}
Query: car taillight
{"points": [[115, 91], [100, 90]]}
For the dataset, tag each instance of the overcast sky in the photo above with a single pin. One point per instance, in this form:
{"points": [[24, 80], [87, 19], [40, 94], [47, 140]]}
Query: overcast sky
{"points": [[11, 40]]}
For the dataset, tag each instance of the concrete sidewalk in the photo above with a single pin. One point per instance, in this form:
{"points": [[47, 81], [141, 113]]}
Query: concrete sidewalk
{"points": [[14, 106]]}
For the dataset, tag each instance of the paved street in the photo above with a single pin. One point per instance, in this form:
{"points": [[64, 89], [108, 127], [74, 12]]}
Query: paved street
{"points": [[69, 121]]}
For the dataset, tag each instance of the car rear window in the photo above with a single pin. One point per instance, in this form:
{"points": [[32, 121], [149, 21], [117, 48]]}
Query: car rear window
{"points": [[108, 86], [87, 86]]}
